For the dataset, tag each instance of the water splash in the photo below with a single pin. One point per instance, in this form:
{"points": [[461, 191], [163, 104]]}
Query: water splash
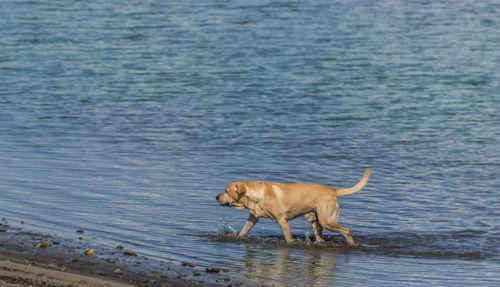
{"points": [[226, 229]]}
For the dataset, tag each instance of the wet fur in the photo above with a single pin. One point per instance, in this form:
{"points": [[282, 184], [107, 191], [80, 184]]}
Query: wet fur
{"points": [[282, 202]]}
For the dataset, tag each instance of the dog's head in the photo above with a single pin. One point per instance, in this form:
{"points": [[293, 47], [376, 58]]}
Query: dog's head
{"points": [[231, 197]]}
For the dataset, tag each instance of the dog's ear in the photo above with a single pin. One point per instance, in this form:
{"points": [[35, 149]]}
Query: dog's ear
{"points": [[236, 190], [241, 189], [232, 191]]}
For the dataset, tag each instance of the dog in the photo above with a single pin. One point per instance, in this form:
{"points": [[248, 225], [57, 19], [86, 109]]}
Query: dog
{"points": [[282, 202]]}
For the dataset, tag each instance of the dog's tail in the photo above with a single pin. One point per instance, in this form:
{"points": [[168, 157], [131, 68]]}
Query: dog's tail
{"points": [[356, 188]]}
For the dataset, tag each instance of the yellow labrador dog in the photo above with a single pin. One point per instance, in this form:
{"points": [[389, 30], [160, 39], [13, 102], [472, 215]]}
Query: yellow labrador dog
{"points": [[282, 202]]}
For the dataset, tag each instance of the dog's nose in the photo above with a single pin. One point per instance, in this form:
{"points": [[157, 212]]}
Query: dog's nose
{"points": [[217, 197]]}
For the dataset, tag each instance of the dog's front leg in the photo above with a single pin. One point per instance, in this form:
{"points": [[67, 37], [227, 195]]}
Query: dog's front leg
{"points": [[252, 219], [286, 229]]}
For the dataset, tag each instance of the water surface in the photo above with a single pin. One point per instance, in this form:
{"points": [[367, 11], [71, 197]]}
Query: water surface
{"points": [[126, 119]]}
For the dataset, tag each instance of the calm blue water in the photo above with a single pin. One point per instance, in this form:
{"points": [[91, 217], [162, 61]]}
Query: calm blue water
{"points": [[127, 118]]}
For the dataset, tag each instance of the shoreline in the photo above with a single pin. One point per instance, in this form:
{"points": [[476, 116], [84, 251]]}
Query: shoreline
{"points": [[34, 259]]}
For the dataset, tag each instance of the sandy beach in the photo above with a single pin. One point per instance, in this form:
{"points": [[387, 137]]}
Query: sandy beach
{"points": [[27, 274], [34, 259]]}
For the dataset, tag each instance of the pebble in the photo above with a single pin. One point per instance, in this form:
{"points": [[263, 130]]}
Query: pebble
{"points": [[89, 252], [212, 270], [80, 231], [119, 247], [118, 271], [129, 253], [184, 263], [29, 234], [42, 245]]}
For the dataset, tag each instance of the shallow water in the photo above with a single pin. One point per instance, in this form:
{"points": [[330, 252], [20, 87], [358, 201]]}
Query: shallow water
{"points": [[127, 119]]}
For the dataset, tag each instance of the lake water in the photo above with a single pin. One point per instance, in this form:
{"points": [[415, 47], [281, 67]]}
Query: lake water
{"points": [[127, 118]]}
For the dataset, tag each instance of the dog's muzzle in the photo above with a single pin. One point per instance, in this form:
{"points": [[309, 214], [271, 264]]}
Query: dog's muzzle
{"points": [[227, 204]]}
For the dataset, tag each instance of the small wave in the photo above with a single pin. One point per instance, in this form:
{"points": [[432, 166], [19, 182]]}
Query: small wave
{"points": [[468, 233], [466, 244], [276, 241], [458, 245]]}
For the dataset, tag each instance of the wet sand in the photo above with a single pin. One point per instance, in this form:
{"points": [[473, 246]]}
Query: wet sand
{"points": [[16, 274], [33, 259]]}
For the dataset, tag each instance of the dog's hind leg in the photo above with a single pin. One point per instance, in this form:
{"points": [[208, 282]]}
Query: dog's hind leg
{"points": [[327, 217], [317, 228], [344, 231], [318, 231]]}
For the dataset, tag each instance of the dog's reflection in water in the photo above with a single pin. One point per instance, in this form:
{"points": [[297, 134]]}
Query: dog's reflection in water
{"points": [[288, 266]]}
